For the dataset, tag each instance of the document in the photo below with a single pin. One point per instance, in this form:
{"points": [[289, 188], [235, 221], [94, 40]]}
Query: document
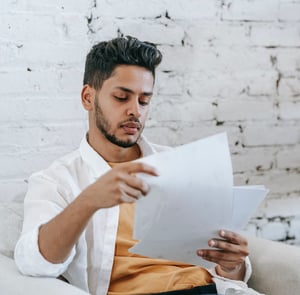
{"points": [[192, 198]]}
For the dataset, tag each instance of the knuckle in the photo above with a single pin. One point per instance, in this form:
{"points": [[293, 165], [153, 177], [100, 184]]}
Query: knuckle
{"points": [[142, 166], [245, 252]]}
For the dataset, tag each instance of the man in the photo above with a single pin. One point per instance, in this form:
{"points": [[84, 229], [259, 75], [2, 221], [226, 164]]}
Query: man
{"points": [[79, 212]]}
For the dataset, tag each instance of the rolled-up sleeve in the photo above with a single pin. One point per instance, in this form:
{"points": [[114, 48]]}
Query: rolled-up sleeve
{"points": [[31, 262], [43, 201]]}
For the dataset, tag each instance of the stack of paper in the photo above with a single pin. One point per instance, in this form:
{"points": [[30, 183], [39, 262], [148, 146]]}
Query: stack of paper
{"points": [[191, 200]]}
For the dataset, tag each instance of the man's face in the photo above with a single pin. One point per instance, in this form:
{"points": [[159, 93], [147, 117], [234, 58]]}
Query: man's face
{"points": [[122, 104]]}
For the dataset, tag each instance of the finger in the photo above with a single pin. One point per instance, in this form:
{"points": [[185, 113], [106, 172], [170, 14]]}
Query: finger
{"points": [[228, 247], [233, 237], [139, 167], [221, 256], [135, 183], [130, 191], [127, 199], [225, 264]]}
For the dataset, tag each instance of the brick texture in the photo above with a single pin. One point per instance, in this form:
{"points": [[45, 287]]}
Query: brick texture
{"points": [[230, 65]]}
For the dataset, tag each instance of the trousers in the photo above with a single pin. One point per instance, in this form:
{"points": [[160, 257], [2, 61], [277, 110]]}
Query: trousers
{"points": [[200, 290]]}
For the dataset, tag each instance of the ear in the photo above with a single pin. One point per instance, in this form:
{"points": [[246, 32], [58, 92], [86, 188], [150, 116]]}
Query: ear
{"points": [[88, 95]]}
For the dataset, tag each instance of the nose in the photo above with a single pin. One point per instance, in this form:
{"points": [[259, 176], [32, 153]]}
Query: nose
{"points": [[134, 108]]}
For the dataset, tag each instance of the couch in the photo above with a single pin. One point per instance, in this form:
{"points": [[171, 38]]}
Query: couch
{"points": [[276, 266]]}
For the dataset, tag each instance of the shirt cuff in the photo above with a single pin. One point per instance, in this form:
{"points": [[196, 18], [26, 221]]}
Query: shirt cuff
{"points": [[248, 271], [31, 262]]}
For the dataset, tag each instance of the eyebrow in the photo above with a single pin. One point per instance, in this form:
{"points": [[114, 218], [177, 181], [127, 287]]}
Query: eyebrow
{"points": [[132, 92]]}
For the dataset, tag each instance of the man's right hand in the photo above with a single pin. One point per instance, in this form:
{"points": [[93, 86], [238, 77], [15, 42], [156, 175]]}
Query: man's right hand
{"points": [[119, 185]]}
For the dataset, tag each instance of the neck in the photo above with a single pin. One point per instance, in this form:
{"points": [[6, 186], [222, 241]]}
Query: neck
{"points": [[111, 152]]}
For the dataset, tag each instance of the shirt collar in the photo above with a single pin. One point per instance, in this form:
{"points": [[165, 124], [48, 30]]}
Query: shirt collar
{"points": [[97, 164]]}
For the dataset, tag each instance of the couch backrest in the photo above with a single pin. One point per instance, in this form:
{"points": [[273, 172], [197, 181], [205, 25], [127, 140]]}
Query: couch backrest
{"points": [[11, 218]]}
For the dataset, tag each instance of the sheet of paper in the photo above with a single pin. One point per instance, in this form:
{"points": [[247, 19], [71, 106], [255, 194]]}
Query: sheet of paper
{"points": [[191, 200], [246, 200], [188, 203]]}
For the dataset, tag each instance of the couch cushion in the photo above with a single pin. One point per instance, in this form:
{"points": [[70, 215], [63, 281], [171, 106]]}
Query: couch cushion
{"points": [[275, 267], [11, 217]]}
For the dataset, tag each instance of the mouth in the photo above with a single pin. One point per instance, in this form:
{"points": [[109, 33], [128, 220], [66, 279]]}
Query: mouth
{"points": [[131, 128]]}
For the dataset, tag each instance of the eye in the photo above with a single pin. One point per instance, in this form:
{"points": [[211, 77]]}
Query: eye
{"points": [[143, 103], [144, 100], [120, 98]]}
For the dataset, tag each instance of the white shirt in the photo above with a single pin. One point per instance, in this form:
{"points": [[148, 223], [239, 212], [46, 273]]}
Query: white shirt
{"points": [[90, 262]]}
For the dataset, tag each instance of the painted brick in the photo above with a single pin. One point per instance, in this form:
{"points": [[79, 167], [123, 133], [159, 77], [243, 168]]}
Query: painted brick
{"points": [[58, 7], [274, 231], [239, 178], [264, 135], [253, 10], [44, 7], [290, 110], [129, 9], [46, 54], [289, 158], [46, 109], [255, 159], [278, 182], [288, 61], [194, 10], [275, 35], [169, 32], [23, 27], [289, 87], [28, 80], [284, 207], [171, 111], [8, 53], [215, 34], [22, 137], [294, 230], [263, 83], [228, 65], [21, 165], [289, 11], [248, 110], [170, 83]]}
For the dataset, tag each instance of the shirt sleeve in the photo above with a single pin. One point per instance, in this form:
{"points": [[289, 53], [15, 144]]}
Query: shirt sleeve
{"points": [[248, 271], [31, 262], [43, 201], [224, 284]]}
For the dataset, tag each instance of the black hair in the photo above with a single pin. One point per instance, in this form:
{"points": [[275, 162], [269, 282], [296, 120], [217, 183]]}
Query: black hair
{"points": [[105, 56]]}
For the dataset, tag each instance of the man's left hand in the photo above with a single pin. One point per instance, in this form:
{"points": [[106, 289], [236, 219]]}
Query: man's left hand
{"points": [[229, 253]]}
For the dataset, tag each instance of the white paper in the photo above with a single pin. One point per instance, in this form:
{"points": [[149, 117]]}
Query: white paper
{"points": [[175, 219], [246, 199], [190, 201]]}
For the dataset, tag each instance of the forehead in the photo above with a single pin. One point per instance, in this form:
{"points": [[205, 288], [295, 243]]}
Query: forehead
{"points": [[136, 78]]}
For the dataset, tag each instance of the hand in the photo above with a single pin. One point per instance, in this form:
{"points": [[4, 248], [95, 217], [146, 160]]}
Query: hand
{"points": [[119, 185], [229, 255]]}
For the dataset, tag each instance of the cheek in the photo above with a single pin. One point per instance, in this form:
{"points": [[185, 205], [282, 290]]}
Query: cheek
{"points": [[144, 114]]}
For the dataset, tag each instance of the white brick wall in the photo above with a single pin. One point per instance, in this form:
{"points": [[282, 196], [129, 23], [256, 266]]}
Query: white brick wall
{"points": [[229, 65]]}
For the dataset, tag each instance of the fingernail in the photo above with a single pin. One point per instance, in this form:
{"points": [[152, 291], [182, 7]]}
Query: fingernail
{"points": [[212, 243], [222, 233], [200, 253]]}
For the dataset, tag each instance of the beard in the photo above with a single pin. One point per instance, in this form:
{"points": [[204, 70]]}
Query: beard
{"points": [[104, 126]]}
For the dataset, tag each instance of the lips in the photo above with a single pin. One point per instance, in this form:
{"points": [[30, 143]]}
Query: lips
{"points": [[131, 127]]}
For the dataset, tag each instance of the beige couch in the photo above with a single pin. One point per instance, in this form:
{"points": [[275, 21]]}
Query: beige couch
{"points": [[276, 266]]}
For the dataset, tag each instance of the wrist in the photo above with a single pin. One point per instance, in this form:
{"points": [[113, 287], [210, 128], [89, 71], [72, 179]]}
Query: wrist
{"points": [[87, 202], [236, 273]]}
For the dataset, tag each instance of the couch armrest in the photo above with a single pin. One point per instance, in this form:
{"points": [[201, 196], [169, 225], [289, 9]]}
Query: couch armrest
{"points": [[14, 283], [275, 267]]}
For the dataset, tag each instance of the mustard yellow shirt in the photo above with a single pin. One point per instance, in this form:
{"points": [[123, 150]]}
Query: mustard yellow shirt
{"points": [[135, 274]]}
